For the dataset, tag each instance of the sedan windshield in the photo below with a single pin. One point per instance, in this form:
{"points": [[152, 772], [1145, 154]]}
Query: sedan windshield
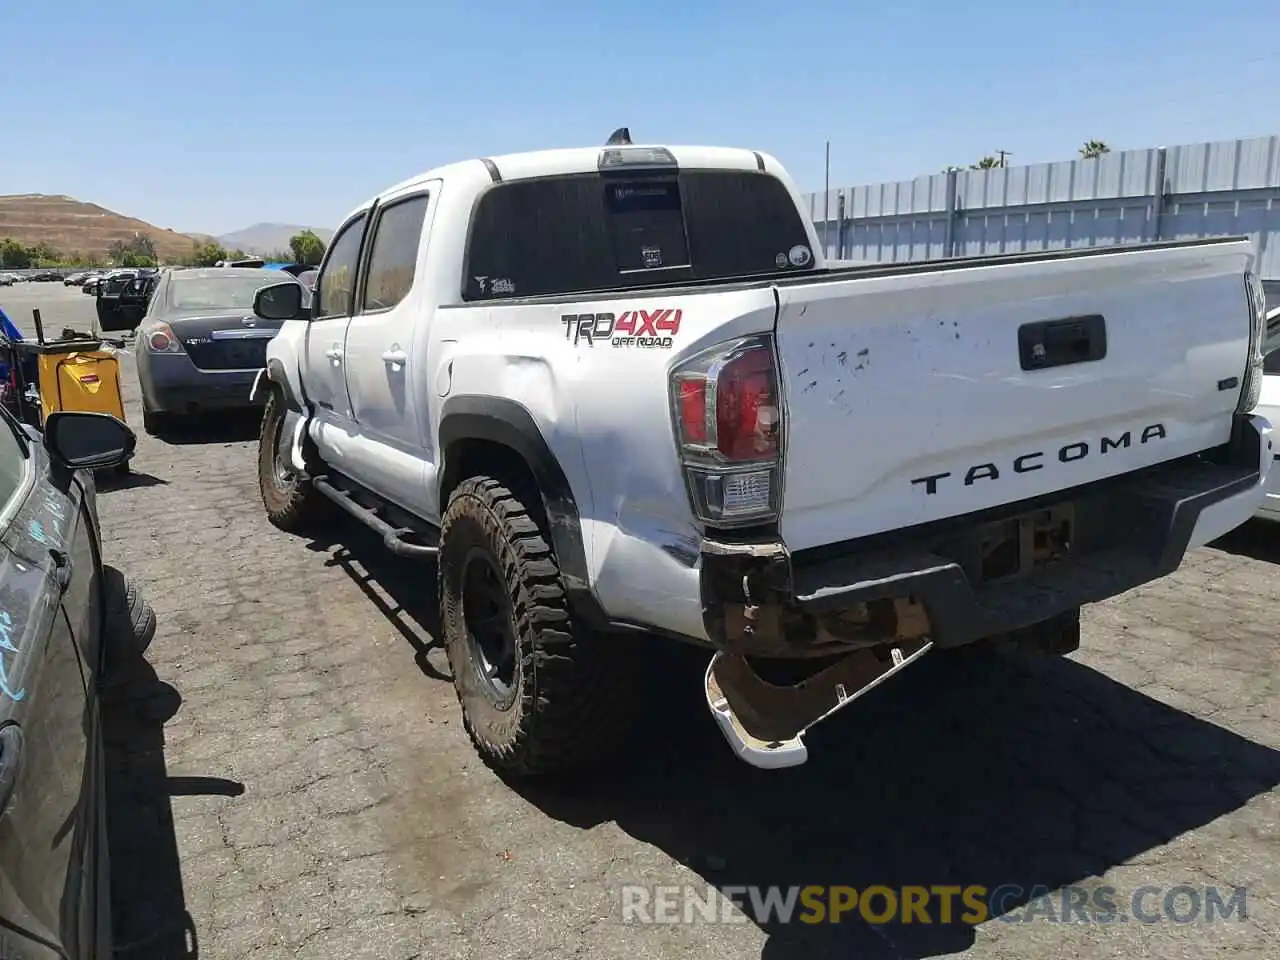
{"points": [[230, 292]]}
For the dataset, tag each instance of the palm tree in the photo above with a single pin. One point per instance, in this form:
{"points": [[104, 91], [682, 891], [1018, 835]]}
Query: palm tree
{"points": [[1093, 149], [986, 163]]}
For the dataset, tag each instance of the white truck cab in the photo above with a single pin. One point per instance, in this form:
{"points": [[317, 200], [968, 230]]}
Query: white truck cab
{"points": [[617, 394]]}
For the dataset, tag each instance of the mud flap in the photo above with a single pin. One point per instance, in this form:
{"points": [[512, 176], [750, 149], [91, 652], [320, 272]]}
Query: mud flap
{"points": [[765, 724], [293, 433]]}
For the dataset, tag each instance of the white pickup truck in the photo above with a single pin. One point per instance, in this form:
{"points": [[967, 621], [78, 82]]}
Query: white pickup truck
{"points": [[1269, 405], [617, 394]]}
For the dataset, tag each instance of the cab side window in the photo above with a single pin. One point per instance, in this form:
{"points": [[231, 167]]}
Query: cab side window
{"points": [[335, 287], [393, 254]]}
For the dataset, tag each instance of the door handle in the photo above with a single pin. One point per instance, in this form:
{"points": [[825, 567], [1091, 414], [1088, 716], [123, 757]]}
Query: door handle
{"points": [[334, 353], [395, 357], [61, 568]]}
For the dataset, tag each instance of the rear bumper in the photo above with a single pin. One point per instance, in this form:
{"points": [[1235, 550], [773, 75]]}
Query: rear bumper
{"points": [[172, 384], [1270, 509], [1125, 532]]}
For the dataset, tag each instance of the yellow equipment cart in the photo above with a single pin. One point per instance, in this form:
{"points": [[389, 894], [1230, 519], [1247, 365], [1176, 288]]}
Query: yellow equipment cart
{"points": [[78, 373], [78, 376]]}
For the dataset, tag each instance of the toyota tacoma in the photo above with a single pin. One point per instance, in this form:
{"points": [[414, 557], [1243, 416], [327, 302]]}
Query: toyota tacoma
{"points": [[618, 394]]}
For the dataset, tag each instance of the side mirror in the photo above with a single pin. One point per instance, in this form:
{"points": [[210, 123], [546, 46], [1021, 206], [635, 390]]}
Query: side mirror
{"points": [[280, 301], [87, 441]]}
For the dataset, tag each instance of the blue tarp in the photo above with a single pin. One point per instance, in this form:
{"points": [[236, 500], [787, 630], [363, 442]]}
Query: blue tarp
{"points": [[7, 327], [10, 332]]}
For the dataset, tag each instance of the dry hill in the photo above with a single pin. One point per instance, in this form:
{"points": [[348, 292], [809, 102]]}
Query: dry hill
{"points": [[71, 226], [267, 238]]}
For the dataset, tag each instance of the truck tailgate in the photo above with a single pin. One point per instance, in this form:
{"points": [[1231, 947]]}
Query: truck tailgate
{"points": [[917, 396]]}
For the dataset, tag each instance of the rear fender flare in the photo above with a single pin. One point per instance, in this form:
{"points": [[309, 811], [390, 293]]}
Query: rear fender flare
{"points": [[508, 423]]}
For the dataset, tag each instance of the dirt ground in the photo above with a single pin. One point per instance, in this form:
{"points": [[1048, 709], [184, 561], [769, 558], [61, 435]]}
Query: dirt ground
{"points": [[290, 778]]}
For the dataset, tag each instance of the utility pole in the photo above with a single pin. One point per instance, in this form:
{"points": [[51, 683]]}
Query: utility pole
{"points": [[1003, 154]]}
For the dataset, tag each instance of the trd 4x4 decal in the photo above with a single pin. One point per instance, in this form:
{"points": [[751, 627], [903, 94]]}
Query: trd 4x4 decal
{"points": [[631, 328]]}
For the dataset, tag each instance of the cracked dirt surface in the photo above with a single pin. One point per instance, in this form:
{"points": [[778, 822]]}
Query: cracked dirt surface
{"points": [[290, 777]]}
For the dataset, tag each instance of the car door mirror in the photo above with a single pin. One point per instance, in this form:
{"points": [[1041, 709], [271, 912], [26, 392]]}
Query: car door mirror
{"points": [[280, 301], [87, 441]]}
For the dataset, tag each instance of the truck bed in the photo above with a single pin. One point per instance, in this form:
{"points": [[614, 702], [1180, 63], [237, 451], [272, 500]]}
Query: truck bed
{"points": [[824, 275]]}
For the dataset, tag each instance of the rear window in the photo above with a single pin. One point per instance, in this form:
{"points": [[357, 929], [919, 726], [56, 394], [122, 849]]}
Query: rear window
{"points": [[573, 234], [229, 292]]}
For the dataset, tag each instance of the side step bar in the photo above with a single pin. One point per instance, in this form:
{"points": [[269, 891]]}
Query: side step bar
{"points": [[394, 539], [765, 724]]}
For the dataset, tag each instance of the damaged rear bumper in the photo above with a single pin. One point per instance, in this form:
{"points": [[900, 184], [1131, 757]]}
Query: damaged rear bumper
{"points": [[937, 586]]}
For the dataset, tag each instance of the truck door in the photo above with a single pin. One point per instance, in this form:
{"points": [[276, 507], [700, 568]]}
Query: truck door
{"points": [[386, 372], [47, 798], [325, 360]]}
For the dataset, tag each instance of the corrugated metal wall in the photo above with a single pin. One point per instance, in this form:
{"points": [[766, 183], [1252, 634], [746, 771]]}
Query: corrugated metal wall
{"points": [[1209, 189]]}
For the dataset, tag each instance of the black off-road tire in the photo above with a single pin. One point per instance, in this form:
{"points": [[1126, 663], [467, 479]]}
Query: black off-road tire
{"points": [[130, 621], [573, 691], [294, 504]]}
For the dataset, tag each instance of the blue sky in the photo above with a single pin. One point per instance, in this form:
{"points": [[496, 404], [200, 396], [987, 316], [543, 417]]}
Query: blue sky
{"points": [[179, 113]]}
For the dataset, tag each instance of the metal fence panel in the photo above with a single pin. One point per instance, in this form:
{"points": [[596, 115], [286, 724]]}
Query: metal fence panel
{"points": [[1209, 190]]}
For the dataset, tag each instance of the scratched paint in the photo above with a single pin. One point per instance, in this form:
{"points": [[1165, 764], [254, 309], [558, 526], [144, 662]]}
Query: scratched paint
{"points": [[36, 529], [49, 531], [7, 647]]}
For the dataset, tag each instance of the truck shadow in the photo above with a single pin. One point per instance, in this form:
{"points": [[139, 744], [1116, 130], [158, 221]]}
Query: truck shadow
{"points": [[1021, 773], [403, 591], [1257, 540], [148, 905]]}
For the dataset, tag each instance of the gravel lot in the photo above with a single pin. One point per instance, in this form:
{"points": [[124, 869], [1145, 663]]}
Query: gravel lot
{"points": [[290, 778]]}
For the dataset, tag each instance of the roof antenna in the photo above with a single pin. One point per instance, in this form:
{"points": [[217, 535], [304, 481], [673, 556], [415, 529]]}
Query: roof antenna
{"points": [[620, 137]]}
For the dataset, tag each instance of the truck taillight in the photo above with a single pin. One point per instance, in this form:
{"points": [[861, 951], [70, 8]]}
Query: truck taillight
{"points": [[728, 420], [1251, 387]]}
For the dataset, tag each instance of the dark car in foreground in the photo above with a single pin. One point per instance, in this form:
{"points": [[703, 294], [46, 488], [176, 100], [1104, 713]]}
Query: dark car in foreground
{"points": [[200, 346], [66, 621]]}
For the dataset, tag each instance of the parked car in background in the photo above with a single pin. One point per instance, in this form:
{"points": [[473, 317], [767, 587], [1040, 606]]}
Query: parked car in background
{"points": [[293, 269], [6, 279], [66, 621], [1269, 407], [200, 345], [108, 293]]}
